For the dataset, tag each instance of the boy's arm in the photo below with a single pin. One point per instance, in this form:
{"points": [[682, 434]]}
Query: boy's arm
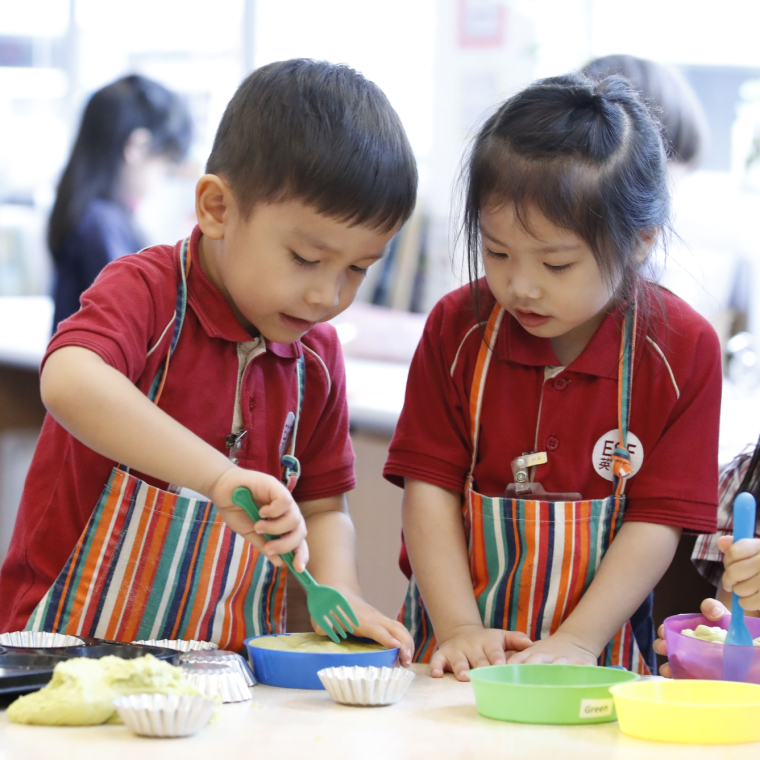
{"points": [[435, 540], [332, 546], [103, 409], [636, 560]]}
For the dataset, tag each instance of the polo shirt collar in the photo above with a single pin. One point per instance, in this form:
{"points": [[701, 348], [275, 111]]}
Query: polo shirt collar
{"points": [[599, 358], [214, 313]]}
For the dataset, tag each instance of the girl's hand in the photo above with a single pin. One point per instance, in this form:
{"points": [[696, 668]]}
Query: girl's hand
{"points": [[376, 626], [712, 609], [560, 648], [472, 646], [742, 574], [280, 514]]}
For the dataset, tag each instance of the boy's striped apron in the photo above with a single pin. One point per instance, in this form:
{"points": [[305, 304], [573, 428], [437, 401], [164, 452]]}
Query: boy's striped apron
{"points": [[152, 564], [532, 561]]}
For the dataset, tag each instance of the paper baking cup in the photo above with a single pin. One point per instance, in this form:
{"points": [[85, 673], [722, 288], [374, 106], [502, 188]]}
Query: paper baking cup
{"points": [[178, 644], [164, 715], [223, 681], [221, 657], [366, 686], [38, 640]]}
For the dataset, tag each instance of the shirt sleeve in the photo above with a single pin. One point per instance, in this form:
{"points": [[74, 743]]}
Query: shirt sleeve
{"points": [[117, 318], [432, 438], [328, 456], [706, 556], [678, 482]]}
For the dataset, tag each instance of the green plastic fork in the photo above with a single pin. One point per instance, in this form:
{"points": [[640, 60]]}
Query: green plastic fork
{"points": [[327, 606]]}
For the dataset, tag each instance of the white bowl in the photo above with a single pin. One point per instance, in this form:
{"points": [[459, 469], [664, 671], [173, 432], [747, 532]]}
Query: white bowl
{"points": [[366, 686], [38, 640], [179, 644], [221, 657], [216, 680], [164, 715]]}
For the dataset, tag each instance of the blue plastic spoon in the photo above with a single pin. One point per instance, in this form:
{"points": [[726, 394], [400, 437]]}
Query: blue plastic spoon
{"points": [[737, 658]]}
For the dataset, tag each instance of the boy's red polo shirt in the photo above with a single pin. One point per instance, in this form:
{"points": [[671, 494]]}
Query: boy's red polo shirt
{"points": [[124, 319], [674, 413]]}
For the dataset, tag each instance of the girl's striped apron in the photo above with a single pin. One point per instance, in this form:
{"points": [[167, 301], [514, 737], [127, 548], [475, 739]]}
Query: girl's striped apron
{"points": [[152, 564], [532, 561]]}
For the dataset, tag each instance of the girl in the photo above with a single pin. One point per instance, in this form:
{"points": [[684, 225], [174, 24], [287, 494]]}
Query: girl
{"points": [[131, 131], [568, 403]]}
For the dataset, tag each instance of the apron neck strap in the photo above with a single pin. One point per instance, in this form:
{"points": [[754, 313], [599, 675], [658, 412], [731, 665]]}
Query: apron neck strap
{"points": [[621, 458], [180, 307], [290, 464], [479, 379]]}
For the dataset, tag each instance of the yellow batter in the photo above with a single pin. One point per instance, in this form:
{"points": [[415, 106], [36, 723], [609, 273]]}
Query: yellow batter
{"points": [[313, 643], [82, 690], [710, 633]]}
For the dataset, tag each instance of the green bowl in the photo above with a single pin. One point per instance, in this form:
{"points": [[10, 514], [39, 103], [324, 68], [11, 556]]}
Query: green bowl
{"points": [[556, 694]]}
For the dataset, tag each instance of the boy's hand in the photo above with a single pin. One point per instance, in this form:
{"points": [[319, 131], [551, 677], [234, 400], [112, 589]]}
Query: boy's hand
{"points": [[742, 574], [712, 609], [560, 648], [472, 646], [376, 626], [280, 514]]}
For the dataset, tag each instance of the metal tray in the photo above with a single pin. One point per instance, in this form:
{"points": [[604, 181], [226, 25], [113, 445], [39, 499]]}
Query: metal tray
{"points": [[23, 669]]}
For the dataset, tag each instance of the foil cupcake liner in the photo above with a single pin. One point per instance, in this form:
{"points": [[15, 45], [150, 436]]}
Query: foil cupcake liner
{"points": [[222, 657], [215, 680], [179, 644], [38, 640], [365, 686], [164, 715]]}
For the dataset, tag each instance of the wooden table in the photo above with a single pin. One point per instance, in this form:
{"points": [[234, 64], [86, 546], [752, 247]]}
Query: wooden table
{"points": [[436, 719]]}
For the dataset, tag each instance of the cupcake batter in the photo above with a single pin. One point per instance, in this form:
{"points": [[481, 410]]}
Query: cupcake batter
{"points": [[82, 690], [313, 643], [710, 633]]}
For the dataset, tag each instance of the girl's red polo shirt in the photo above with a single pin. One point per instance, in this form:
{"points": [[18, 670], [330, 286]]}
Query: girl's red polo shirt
{"points": [[124, 319], [674, 414]]}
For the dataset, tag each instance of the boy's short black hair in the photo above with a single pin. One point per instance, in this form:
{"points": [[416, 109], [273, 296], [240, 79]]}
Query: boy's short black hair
{"points": [[320, 133]]}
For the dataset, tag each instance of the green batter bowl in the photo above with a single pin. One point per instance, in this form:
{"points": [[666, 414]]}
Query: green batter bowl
{"points": [[547, 693]]}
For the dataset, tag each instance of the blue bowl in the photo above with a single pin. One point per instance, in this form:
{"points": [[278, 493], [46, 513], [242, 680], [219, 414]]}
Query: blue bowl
{"points": [[298, 670]]}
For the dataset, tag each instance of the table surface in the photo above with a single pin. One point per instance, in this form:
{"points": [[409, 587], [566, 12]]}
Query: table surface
{"points": [[436, 718]]}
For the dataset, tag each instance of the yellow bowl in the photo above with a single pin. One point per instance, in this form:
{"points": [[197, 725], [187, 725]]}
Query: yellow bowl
{"points": [[689, 712]]}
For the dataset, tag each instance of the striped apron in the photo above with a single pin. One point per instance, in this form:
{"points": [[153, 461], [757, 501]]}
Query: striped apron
{"points": [[532, 561], [152, 564]]}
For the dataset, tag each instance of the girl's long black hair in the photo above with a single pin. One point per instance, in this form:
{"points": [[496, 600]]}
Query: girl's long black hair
{"points": [[97, 158]]}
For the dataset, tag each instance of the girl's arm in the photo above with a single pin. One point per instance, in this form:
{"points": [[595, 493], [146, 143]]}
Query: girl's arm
{"points": [[332, 546], [103, 409], [434, 535], [636, 560]]}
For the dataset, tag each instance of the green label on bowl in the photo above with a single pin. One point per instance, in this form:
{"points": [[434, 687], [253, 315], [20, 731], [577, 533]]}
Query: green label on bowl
{"points": [[596, 708]]}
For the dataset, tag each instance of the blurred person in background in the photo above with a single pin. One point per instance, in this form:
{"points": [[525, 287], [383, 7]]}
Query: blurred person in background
{"points": [[705, 266], [132, 130]]}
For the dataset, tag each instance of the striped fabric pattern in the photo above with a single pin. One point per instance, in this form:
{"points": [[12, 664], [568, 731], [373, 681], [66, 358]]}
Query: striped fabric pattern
{"points": [[154, 565], [532, 561]]}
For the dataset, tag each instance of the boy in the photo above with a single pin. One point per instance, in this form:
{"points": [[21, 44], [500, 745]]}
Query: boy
{"points": [[309, 177]]}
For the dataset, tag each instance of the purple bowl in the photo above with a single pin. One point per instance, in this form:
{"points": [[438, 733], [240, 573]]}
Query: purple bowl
{"points": [[694, 658]]}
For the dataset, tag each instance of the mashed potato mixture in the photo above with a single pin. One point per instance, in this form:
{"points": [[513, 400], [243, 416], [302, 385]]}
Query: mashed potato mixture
{"points": [[82, 690], [710, 633], [313, 643]]}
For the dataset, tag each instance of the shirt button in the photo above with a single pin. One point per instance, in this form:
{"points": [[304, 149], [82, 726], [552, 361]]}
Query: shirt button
{"points": [[560, 383], [251, 403], [552, 443]]}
